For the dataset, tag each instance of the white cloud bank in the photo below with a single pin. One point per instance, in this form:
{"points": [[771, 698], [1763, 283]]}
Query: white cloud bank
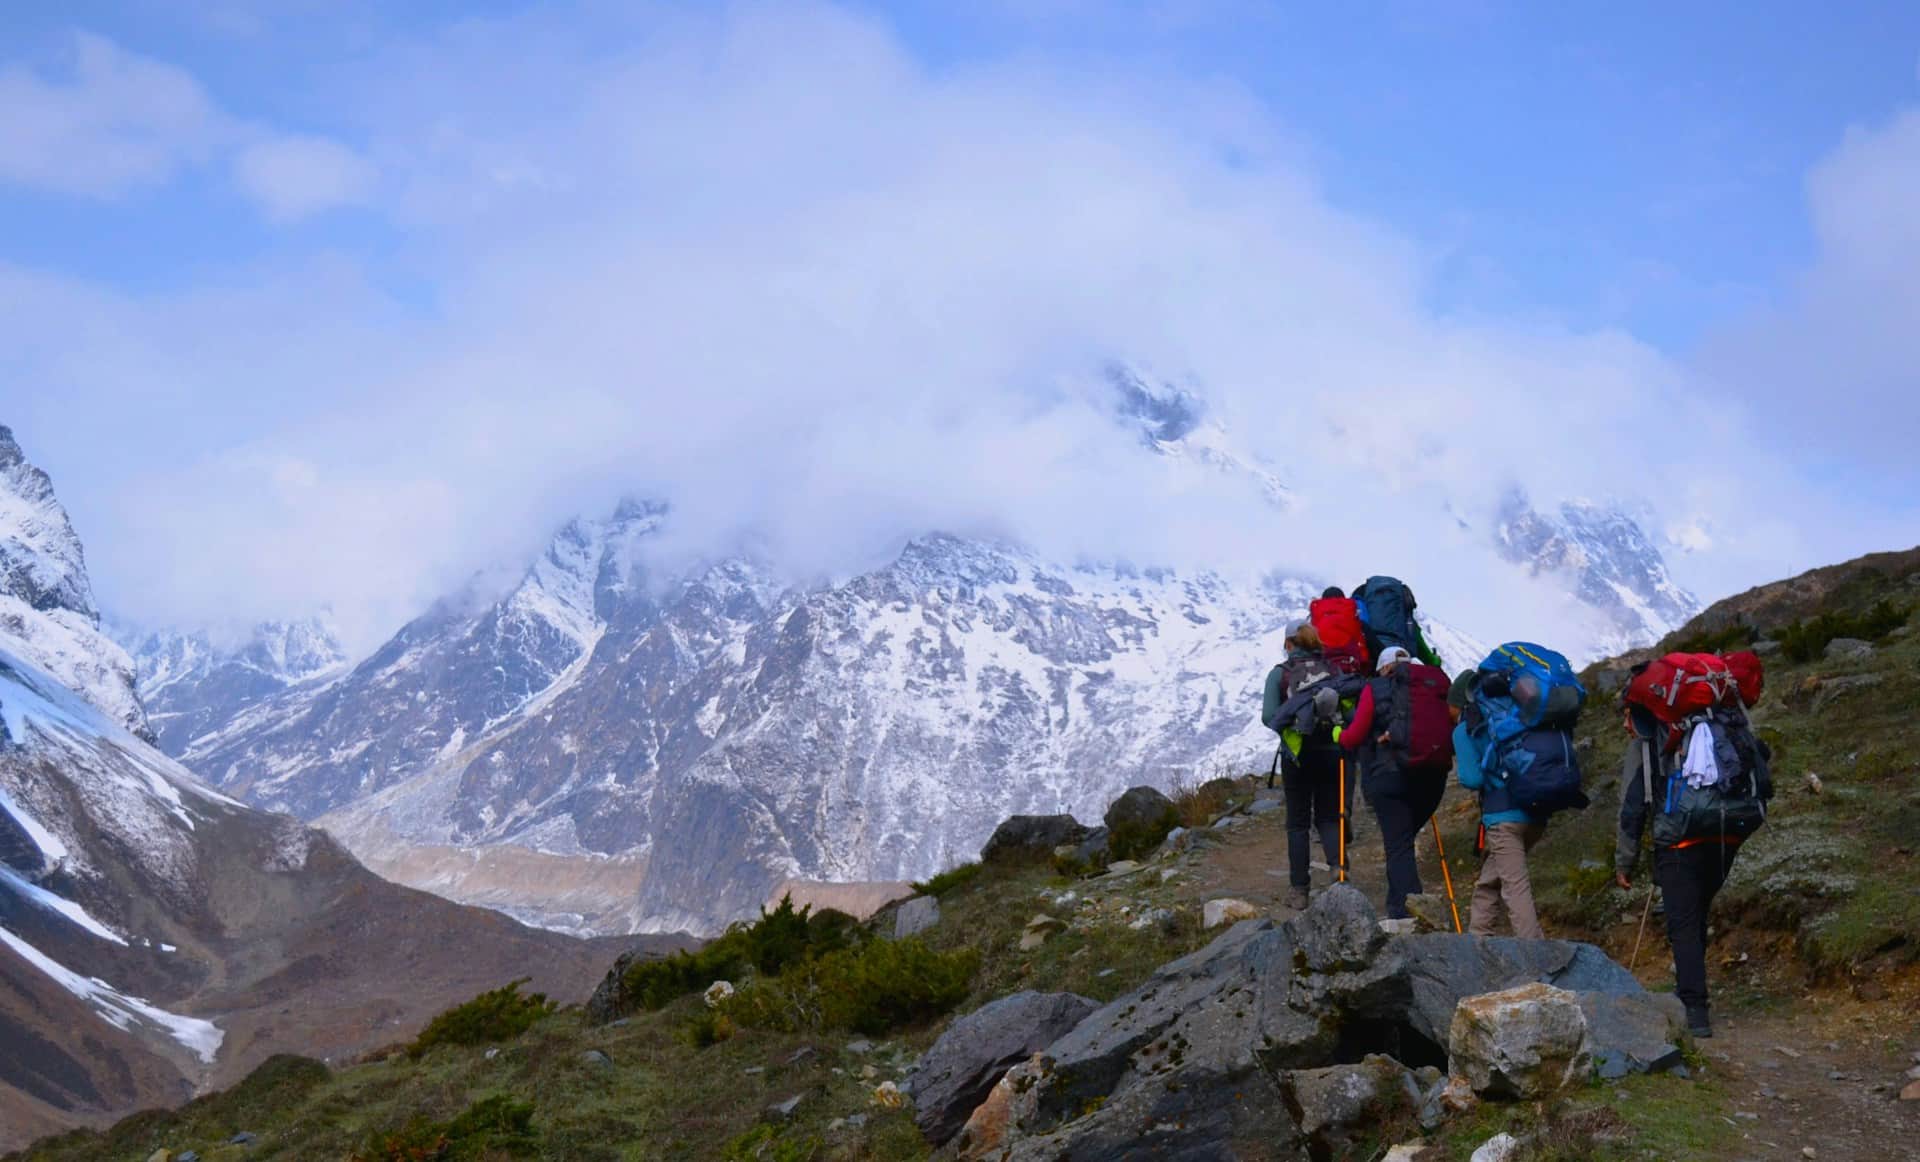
{"points": [[766, 263], [104, 122]]}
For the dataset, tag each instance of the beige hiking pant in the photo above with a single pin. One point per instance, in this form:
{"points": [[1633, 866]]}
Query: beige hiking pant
{"points": [[1503, 879]]}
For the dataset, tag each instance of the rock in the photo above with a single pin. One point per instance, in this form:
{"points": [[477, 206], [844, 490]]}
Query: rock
{"points": [[1404, 926], [187, 1156], [1187, 1064], [1914, 1073], [490, 1054], [1814, 784], [1161, 918], [1227, 911], [1830, 690], [1121, 867], [803, 1054], [1263, 806], [1524, 1043], [1093, 851], [1911, 1092], [1335, 1106], [915, 916], [1445, 967], [889, 1096], [594, 1059], [608, 1002], [160, 1156], [754, 1070], [782, 1111], [1632, 1033], [1767, 647], [861, 1046], [958, 1073], [1038, 930], [1024, 838], [243, 1138], [1848, 649], [1406, 1152], [1138, 821], [1499, 1148], [718, 993]]}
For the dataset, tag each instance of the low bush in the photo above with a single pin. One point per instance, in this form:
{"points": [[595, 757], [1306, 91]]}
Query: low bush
{"points": [[874, 989], [1804, 641], [951, 880], [498, 1015], [1718, 641], [776, 941]]}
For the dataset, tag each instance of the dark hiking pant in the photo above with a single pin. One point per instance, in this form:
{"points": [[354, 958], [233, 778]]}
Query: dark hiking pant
{"points": [[1402, 812], [1689, 878], [1312, 787]]}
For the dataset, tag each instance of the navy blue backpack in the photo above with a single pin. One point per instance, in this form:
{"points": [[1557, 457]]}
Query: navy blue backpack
{"points": [[1528, 700]]}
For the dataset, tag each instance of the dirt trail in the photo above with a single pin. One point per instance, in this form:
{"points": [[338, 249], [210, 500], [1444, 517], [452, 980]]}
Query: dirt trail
{"points": [[1802, 1069]]}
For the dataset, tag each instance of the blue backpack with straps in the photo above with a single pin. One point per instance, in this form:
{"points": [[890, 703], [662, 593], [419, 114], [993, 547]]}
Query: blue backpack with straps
{"points": [[1528, 700]]}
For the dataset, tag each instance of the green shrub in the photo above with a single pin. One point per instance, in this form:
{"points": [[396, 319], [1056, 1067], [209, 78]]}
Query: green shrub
{"points": [[1804, 641], [707, 1028], [487, 1129], [874, 989], [1717, 641], [499, 1015], [776, 941], [951, 880], [765, 1144]]}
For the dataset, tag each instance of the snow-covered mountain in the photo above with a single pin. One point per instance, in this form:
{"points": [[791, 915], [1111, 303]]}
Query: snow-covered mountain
{"points": [[607, 747], [1608, 562], [192, 682], [46, 597], [157, 936]]}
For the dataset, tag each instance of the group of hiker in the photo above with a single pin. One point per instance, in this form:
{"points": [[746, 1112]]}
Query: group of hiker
{"points": [[1362, 701]]}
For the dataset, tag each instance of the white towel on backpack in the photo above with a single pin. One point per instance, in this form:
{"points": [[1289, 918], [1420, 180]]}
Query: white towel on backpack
{"points": [[1700, 769]]}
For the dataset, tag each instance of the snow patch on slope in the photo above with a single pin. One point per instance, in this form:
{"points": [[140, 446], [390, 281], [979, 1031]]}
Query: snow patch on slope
{"points": [[118, 1009]]}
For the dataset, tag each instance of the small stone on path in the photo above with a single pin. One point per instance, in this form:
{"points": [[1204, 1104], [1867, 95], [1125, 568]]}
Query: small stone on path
{"points": [[782, 1111], [1227, 911], [861, 1046], [1912, 1092]]}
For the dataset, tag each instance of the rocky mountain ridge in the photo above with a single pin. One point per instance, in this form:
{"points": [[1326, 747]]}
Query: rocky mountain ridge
{"points": [[157, 936]]}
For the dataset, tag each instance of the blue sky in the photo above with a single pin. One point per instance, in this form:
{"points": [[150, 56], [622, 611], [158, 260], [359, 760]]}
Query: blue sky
{"points": [[311, 244]]}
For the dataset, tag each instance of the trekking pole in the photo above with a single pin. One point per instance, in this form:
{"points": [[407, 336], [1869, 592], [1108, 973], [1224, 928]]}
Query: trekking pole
{"points": [[1446, 872], [1343, 819], [1275, 768], [1644, 913]]}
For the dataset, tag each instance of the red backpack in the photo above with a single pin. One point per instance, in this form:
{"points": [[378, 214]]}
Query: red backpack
{"points": [[1337, 620], [1676, 687], [1422, 728], [1750, 674]]}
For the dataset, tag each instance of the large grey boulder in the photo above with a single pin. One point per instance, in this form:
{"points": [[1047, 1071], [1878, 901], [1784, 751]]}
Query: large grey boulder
{"points": [[1633, 1033], [1189, 1064], [1445, 967], [1523, 1044], [956, 1074], [1138, 821], [1031, 837], [1337, 1106]]}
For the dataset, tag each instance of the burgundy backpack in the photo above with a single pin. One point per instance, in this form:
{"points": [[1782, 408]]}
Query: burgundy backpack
{"points": [[1420, 727]]}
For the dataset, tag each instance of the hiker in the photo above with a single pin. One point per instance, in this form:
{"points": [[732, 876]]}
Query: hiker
{"points": [[1701, 804], [1309, 756], [1385, 607], [1507, 832], [1403, 733]]}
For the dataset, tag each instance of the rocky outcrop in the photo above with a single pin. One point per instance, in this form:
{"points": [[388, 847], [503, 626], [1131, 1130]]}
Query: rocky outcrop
{"points": [[1293, 1034], [1138, 821], [956, 1075], [1031, 837]]}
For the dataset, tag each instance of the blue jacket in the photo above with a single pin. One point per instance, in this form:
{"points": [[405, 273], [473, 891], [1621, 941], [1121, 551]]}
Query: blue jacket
{"points": [[1495, 806]]}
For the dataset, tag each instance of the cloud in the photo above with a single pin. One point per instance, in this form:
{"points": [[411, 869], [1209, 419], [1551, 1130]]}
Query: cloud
{"points": [[107, 122], [104, 122], [295, 177], [765, 263]]}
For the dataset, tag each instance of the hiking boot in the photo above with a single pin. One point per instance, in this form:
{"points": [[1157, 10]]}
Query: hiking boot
{"points": [[1297, 899], [1697, 1023]]}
